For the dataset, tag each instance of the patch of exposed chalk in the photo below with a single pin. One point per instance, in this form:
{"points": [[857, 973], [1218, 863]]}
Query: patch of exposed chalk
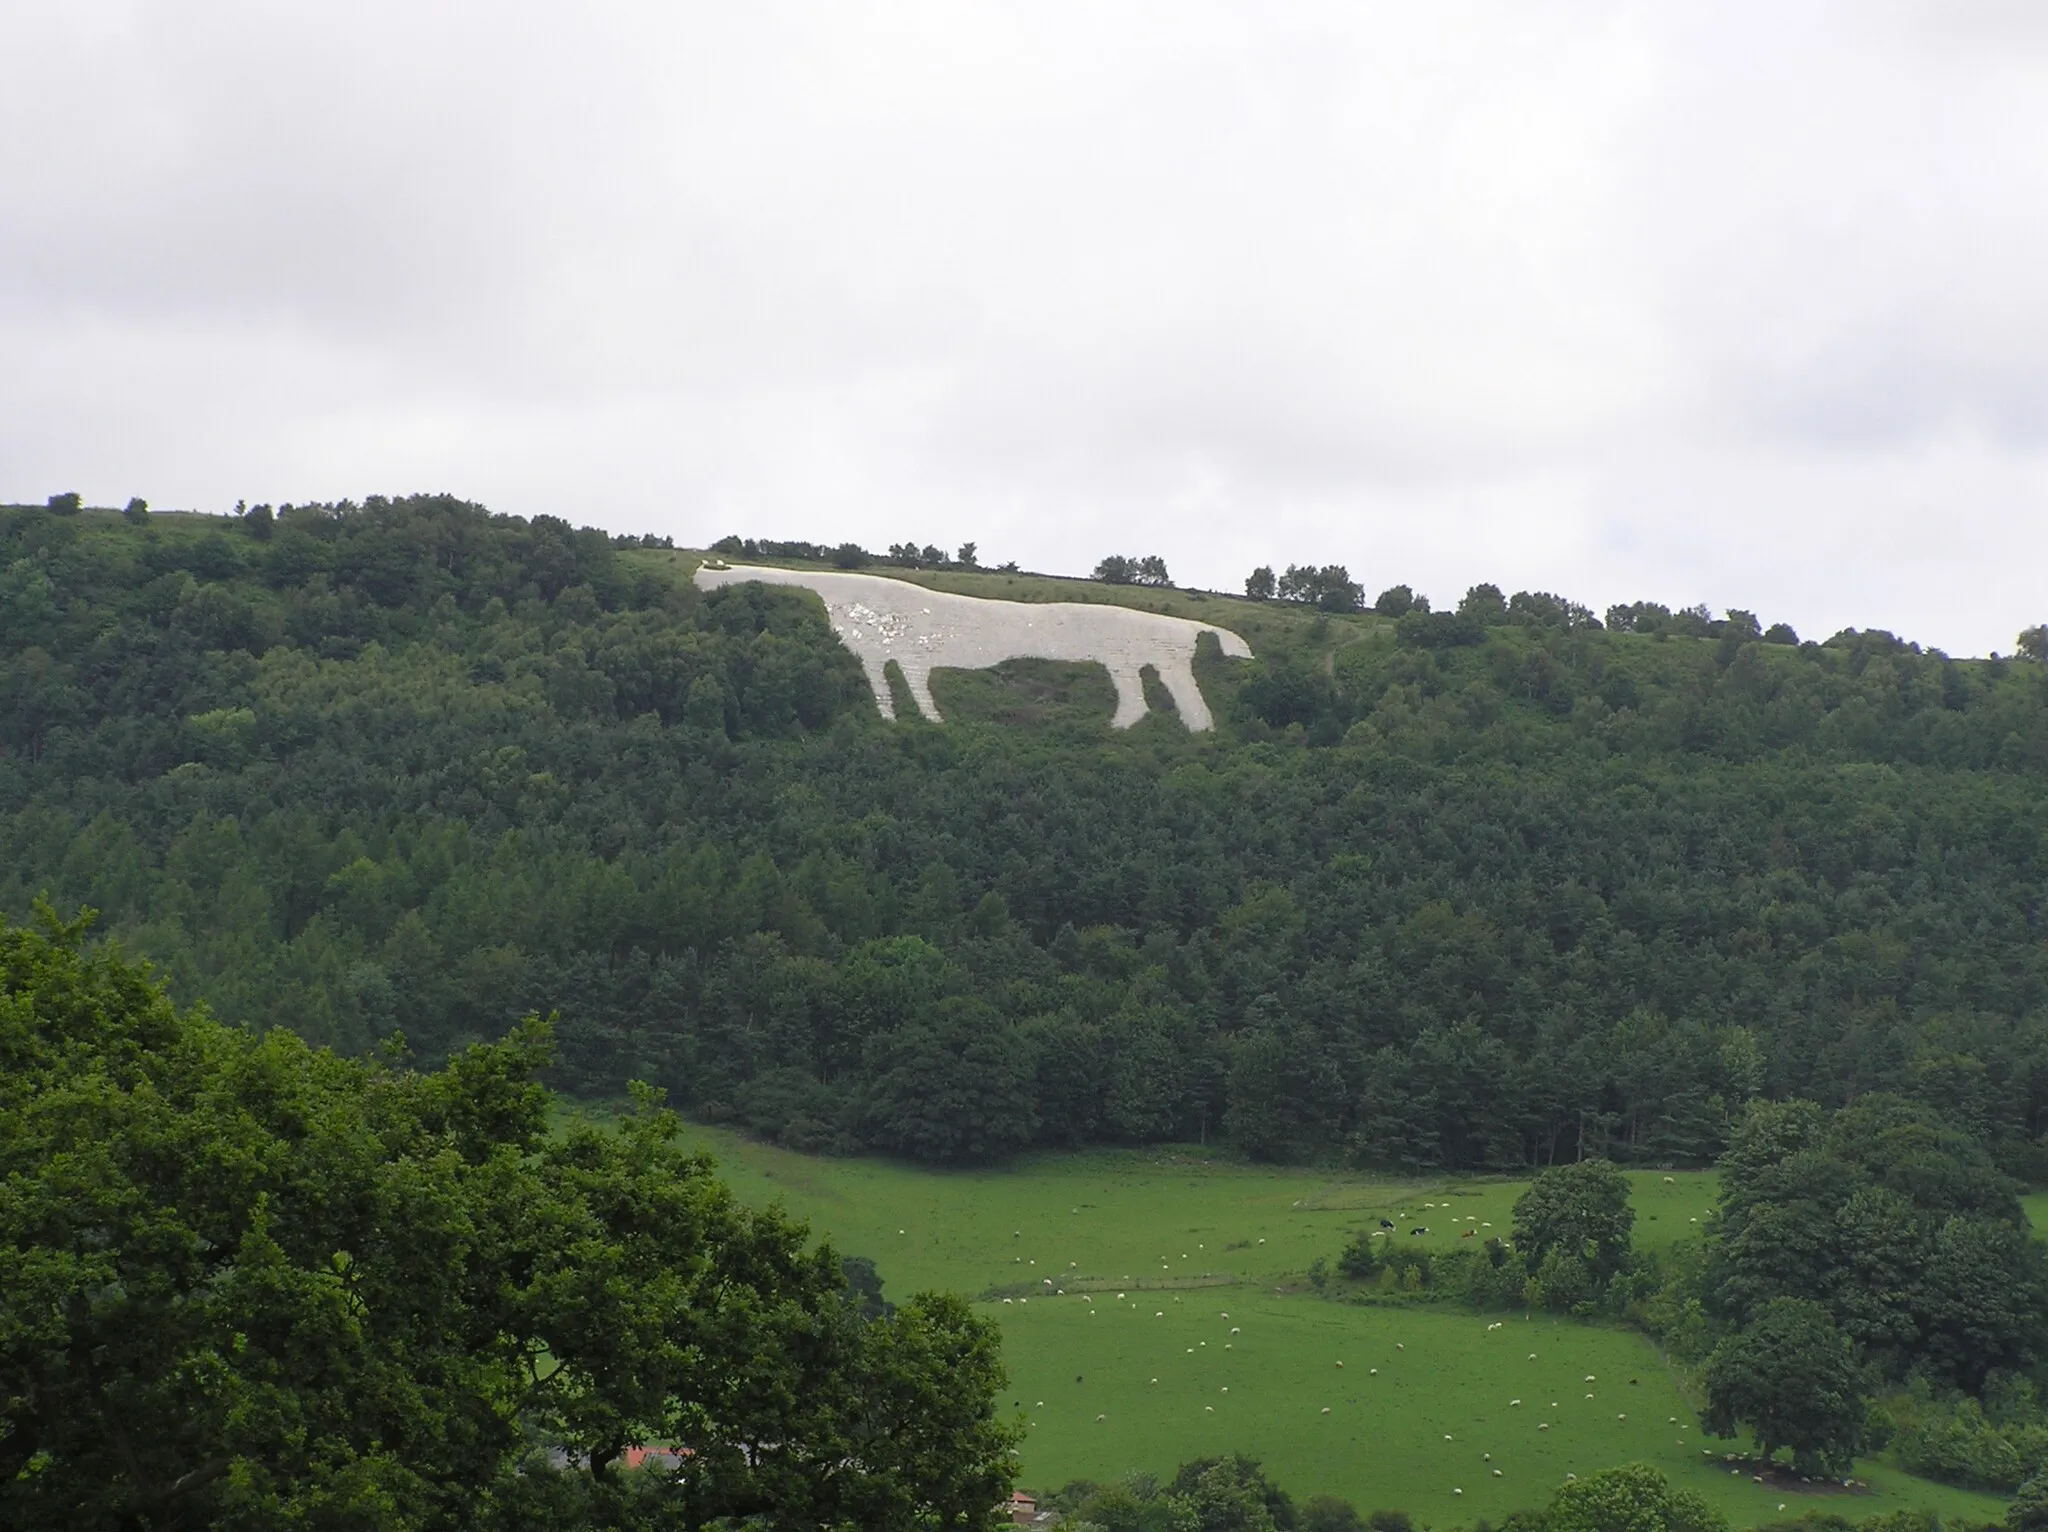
{"points": [[881, 619]]}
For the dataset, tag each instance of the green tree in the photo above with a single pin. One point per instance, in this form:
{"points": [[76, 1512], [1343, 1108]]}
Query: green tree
{"points": [[2032, 644], [1394, 601], [1582, 1212], [953, 1086], [2029, 1509], [1632, 1498], [1484, 604], [1791, 1377], [1259, 583], [250, 1284], [1231, 1494], [1328, 1513]]}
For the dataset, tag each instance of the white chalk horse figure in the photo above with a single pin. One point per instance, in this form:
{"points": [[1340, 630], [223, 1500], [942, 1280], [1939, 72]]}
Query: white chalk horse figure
{"points": [[881, 619]]}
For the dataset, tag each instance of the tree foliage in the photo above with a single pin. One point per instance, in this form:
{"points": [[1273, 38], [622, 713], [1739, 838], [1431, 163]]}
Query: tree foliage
{"points": [[1581, 1210], [1632, 1498], [1897, 1225], [249, 1283], [1212, 1494], [1491, 890], [1791, 1378]]}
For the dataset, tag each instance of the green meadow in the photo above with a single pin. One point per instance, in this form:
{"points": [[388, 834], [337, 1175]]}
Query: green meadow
{"points": [[1155, 1307]]}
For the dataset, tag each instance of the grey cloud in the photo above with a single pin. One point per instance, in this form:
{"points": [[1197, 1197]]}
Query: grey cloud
{"points": [[1694, 301]]}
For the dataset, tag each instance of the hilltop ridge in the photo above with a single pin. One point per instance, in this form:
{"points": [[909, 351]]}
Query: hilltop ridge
{"points": [[1477, 888]]}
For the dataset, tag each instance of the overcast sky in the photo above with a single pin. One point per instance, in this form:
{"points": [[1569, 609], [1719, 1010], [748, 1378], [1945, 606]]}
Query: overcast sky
{"points": [[1736, 303]]}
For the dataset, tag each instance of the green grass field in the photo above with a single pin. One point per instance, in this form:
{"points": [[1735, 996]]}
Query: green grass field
{"points": [[1424, 1395]]}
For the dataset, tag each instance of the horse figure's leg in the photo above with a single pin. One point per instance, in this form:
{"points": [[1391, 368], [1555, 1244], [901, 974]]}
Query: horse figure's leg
{"points": [[1177, 674], [878, 677], [917, 675], [1130, 692]]}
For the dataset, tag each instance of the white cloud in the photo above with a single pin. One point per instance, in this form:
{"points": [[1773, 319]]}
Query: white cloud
{"points": [[1733, 303]]}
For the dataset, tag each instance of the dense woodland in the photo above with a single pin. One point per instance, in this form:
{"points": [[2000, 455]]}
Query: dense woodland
{"points": [[1488, 887]]}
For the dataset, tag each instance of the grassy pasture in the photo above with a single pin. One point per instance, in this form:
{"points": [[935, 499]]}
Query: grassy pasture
{"points": [[2036, 1206], [1188, 1238]]}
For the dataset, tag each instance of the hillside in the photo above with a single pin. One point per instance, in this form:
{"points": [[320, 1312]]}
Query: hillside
{"points": [[1447, 890]]}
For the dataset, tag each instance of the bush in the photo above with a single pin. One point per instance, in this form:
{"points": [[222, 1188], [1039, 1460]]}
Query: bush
{"points": [[1955, 1442], [1438, 630]]}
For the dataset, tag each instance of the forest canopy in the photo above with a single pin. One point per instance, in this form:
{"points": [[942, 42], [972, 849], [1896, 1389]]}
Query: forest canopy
{"points": [[1493, 886]]}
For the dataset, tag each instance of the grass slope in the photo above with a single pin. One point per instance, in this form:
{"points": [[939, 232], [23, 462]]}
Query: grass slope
{"points": [[1188, 1240]]}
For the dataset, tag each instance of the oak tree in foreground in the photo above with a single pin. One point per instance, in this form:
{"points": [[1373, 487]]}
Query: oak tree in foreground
{"points": [[245, 1283]]}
